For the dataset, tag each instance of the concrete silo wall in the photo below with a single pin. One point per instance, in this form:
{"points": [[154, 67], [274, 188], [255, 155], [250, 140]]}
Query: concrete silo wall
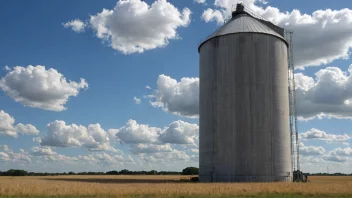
{"points": [[244, 109]]}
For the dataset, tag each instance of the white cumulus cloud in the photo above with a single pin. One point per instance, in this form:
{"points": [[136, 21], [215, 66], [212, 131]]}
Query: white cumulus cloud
{"points": [[27, 129], [8, 128], [4, 157], [16, 158], [180, 98], [5, 148], [150, 148], [311, 150], [42, 151], [329, 94], [315, 134], [133, 26], [180, 132], [76, 25], [335, 158], [95, 159], [342, 151], [213, 15], [135, 133], [6, 124], [108, 160], [165, 158], [93, 137], [38, 87], [194, 150]]}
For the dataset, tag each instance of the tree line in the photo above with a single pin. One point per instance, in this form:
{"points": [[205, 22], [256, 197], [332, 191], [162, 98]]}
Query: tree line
{"points": [[186, 171], [328, 174]]}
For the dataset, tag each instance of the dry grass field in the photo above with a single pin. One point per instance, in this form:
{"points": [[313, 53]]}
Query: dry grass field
{"points": [[166, 186]]}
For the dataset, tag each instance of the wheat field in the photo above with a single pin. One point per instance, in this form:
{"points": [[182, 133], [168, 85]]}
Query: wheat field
{"points": [[166, 186]]}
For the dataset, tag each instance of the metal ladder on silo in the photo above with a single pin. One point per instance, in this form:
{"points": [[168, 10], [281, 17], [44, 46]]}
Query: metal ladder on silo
{"points": [[292, 104]]}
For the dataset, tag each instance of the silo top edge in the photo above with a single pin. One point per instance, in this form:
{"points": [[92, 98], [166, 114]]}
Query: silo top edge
{"points": [[203, 42], [245, 23]]}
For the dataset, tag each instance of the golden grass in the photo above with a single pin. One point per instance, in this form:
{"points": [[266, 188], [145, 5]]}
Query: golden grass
{"points": [[163, 186]]}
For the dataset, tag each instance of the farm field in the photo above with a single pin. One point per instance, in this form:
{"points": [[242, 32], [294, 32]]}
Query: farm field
{"points": [[166, 186]]}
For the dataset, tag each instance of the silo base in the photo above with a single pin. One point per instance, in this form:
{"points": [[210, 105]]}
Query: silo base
{"points": [[234, 178]]}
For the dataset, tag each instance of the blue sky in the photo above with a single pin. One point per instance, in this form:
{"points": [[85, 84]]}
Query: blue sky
{"points": [[34, 33]]}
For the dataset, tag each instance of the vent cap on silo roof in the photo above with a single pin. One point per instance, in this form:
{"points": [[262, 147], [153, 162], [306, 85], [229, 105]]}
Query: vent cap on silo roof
{"points": [[239, 10], [243, 22]]}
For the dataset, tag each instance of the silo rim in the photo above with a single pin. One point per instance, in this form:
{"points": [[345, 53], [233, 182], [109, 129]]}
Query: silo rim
{"points": [[201, 44]]}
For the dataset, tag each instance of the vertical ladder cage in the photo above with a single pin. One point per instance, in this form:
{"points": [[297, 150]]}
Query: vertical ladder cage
{"points": [[292, 103]]}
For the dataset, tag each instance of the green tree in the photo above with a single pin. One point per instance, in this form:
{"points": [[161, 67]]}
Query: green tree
{"points": [[190, 171], [124, 172], [13, 172], [112, 172], [152, 172]]}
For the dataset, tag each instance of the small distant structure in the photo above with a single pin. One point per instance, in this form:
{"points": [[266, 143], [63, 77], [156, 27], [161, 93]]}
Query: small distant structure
{"points": [[248, 129]]}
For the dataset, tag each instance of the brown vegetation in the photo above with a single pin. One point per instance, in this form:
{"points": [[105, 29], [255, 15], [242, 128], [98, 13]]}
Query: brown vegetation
{"points": [[163, 186]]}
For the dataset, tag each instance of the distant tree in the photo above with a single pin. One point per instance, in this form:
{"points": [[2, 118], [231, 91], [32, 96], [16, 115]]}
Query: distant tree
{"points": [[71, 173], [190, 171], [152, 172], [13, 172], [112, 173], [124, 172]]}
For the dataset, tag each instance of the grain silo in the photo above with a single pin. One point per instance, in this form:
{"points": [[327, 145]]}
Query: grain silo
{"points": [[244, 102]]}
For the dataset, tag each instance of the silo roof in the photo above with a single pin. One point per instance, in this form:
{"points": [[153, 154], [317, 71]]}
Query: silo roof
{"points": [[243, 23]]}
